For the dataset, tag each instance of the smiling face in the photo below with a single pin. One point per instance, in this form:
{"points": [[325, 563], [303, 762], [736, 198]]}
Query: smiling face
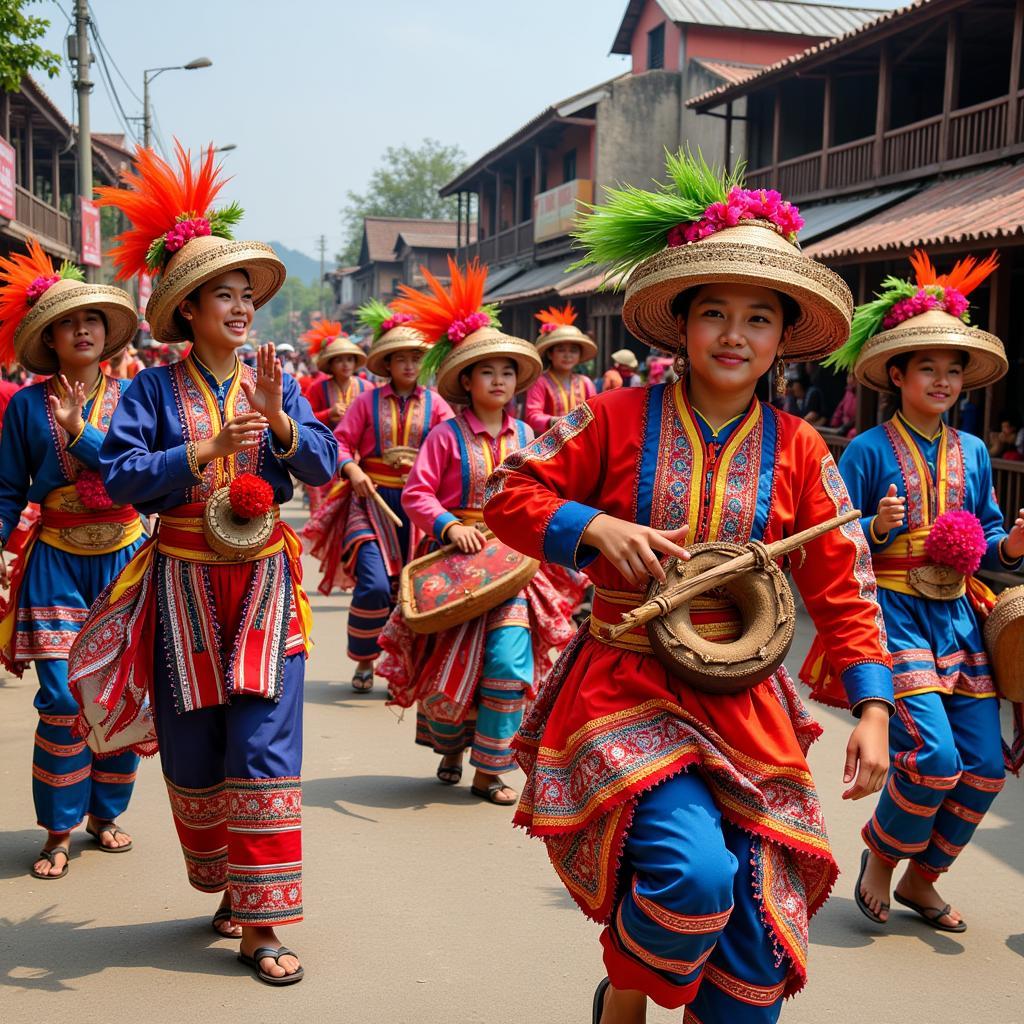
{"points": [[931, 382], [77, 338], [404, 368], [220, 312], [490, 383], [732, 335], [564, 356], [342, 367]]}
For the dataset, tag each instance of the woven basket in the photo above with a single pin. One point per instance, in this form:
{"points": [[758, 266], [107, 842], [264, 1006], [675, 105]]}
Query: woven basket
{"points": [[1004, 640]]}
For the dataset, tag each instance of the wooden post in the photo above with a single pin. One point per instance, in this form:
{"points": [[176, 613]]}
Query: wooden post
{"points": [[826, 134], [497, 204], [1010, 135], [30, 155], [55, 175], [882, 110], [776, 136], [518, 212], [950, 85], [727, 162], [479, 208], [5, 116]]}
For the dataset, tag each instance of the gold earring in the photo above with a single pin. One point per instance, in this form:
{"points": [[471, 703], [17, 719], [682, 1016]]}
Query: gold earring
{"points": [[680, 364], [780, 377]]}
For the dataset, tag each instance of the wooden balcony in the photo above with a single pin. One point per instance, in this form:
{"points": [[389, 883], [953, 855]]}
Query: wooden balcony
{"points": [[41, 218], [991, 130]]}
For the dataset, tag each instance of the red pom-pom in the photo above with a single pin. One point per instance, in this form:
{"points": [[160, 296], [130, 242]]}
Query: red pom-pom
{"points": [[250, 496], [91, 491], [958, 541]]}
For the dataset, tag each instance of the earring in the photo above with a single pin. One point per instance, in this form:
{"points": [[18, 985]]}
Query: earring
{"points": [[780, 377], [680, 364]]}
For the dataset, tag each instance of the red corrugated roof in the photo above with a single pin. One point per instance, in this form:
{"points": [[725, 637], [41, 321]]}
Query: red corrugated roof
{"points": [[984, 206]]}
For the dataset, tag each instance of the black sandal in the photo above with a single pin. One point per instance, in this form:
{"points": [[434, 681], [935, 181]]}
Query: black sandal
{"points": [[931, 915], [492, 791], [50, 855], [859, 899], [362, 680], [275, 954], [602, 987], [114, 831], [223, 914], [449, 774]]}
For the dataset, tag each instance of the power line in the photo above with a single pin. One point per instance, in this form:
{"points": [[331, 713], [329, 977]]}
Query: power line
{"points": [[103, 46], [158, 133], [111, 91]]}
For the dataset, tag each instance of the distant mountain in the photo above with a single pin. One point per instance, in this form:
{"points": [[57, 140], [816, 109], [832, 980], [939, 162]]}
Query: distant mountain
{"points": [[299, 265]]}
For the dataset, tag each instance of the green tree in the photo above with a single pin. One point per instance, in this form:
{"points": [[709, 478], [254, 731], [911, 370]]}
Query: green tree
{"points": [[18, 53], [288, 313], [405, 184]]}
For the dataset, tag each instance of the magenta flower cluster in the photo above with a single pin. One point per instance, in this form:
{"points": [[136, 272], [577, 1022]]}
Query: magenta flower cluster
{"points": [[184, 231], [957, 540], [395, 321], [548, 328], [948, 299], [38, 286], [467, 325], [741, 204]]}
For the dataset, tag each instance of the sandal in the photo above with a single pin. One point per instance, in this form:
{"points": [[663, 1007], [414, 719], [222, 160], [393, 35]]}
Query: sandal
{"points": [[859, 899], [362, 681], [275, 954], [490, 793], [224, 914], [449, 774], [599, 994], [50, 855], [931, 915], [114, 831]]}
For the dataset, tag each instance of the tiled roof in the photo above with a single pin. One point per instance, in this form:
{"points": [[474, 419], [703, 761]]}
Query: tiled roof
{"points": [[729, 71], [425, 240], [381, 234], [983, 207]]}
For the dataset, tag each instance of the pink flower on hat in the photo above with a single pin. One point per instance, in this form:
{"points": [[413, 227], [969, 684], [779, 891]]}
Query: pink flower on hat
{"points": [[461, 329], [38, 286], [741, 204], [395, 321], [184, 231]]}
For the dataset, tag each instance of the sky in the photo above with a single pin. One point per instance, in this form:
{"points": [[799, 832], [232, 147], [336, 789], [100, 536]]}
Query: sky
{"points": [[312, 92]]}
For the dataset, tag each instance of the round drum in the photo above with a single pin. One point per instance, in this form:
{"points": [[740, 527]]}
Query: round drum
{"points": [[765, 603], [230, 535], [1004, 640]]}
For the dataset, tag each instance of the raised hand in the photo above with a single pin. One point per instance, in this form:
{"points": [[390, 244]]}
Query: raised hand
{"points": [[632, 549], [244, 431], [892, 511], [67, 407], [265, 396], [1013, 546]]}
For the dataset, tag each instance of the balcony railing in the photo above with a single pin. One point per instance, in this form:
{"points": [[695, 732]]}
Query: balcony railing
{"points": [[41, 217]]}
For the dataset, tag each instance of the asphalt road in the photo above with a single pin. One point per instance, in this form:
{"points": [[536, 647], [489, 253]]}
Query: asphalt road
{"points": [[424, 905]]}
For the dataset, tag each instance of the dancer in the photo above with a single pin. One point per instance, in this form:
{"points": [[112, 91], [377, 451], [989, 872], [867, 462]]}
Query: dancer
{"points": [[932, 520], [210, 616], [475, 702], [55, 323], [354, 537], [689, 824], [559, 389]]}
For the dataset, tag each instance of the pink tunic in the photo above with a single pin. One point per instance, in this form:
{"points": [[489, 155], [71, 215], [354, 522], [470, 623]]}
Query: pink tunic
{"points": [[547, 398]]}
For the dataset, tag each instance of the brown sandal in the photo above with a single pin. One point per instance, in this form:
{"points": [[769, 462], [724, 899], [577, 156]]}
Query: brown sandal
{"points": [[50, 855], [114, 831]]}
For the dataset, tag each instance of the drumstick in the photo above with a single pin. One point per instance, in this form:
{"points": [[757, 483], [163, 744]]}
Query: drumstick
{"points": [[387, 509], [691, 588]]}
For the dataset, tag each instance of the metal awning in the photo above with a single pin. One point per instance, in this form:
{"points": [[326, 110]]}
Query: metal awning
{"points": [[822, 219], [538, 281]]}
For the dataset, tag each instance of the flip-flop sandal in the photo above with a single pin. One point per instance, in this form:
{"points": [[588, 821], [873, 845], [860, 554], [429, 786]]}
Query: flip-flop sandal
{"points": [[859, 899], [362, 681], [449, 774], [114, 833], [223, 914], [275, 954], [602, 988], [50, 855], [492, 791], [931, 915]]}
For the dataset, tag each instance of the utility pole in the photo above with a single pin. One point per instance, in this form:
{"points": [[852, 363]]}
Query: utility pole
{"points": [[322, 246], [83, 86]]}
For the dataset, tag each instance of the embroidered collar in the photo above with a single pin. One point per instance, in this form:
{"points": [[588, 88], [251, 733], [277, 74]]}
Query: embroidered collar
{"points": [[507, 426], [725, 428], [924, 437], [387, 390]]}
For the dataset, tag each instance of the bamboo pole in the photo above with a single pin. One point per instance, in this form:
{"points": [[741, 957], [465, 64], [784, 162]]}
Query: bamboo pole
{"points": [[387, 509]]}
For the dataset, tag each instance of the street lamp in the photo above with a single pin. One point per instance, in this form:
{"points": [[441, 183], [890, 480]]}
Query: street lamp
{"points": [[148, 75]]}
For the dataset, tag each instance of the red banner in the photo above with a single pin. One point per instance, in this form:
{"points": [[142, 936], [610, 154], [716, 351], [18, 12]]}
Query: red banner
{"points": [[92, 244], [8, 204]]}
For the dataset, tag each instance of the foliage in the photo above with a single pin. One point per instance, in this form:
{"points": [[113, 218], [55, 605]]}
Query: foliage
{"points": [[404, 184], [19, 53], [289, 314], [867, 321]]}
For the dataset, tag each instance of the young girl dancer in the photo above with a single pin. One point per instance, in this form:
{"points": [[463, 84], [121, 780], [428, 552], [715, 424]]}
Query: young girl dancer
{"points": [[559, 389]]}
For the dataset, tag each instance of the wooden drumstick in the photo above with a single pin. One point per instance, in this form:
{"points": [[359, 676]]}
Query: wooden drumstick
{"points": [[689, 589], [387, 509]]}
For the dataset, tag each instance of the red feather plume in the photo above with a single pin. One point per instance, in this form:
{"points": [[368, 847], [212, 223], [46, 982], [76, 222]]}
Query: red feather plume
{"points": [[17, 273], [556, 317], [155, 198], [432, 314], [965, 276], [320, 333]]}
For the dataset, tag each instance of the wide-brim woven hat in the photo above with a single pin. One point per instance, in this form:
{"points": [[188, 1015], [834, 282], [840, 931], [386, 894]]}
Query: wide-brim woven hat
{"points": [[340, 347], [398, 339], [64, 297], [934, 329], [486, 343], [1004, 640], [200, 260], [753, 253], [567, 334]]}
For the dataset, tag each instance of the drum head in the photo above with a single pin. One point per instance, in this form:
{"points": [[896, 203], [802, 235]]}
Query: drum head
{"points": [[767, 614], [230, 536]]}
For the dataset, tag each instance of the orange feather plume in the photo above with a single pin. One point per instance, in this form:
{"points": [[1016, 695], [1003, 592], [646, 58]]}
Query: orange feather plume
{"points": [[555, 317], [965, 276], [17, 273], [154, 199], [432, 314], [320, 333]]}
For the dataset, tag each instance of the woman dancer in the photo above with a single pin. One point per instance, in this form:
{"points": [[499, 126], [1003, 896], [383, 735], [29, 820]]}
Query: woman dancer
{"points": [[559, 389]]}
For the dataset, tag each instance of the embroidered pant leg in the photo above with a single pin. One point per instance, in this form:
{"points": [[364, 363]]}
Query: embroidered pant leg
{"points": [[975, 724], [372, 602], [443, 737], [925, 768], [507, 673], [263, 767], [678, 880], [742, 984]]}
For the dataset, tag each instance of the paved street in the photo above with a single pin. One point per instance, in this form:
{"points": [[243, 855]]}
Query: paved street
{"points": [[423, 905]]}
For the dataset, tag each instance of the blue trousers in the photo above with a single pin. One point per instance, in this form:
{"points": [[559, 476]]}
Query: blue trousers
{"points": [[947, 768], [507, 673], [67, 781], [688, 928]]}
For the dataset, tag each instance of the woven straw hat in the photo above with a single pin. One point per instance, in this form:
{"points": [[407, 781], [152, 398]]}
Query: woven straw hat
{"points": [[567, 334], [933, 329], [485, 344], [398, 339], [65, 297], [1004, 640], [755, 253], [340, 347], [200, 260]]}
